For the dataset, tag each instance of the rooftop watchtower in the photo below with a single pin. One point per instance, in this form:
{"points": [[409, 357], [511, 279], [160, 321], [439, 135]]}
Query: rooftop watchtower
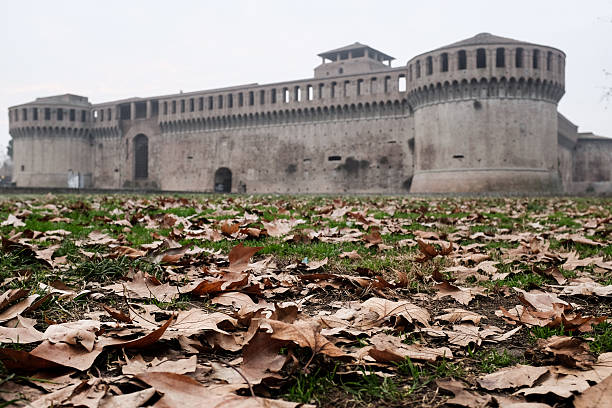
{"points": [[356, 58]]}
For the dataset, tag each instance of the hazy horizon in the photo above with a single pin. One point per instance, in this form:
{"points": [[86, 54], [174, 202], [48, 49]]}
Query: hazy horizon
{"points": [[120, 50]]}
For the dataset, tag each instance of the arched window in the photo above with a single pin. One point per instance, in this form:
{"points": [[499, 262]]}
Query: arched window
{"points": [[481, 58], [223, 180], [518, 57], [500, 58], [141, 157], [461, 60]]}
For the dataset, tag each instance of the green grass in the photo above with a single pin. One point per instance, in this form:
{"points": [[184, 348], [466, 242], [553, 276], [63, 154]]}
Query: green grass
{"points": [[493, 360]]}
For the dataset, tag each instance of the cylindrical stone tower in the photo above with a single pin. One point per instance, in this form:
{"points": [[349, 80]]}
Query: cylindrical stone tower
{"points": [[51, 144], [485, 116]]}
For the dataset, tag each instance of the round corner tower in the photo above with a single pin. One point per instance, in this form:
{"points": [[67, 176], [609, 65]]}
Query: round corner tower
{"points": [[485, 116], [51, 146]]}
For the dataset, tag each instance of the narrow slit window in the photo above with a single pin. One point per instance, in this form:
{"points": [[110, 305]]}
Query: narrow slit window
{"points": [[72, 115], [321, 86], [251, 98], [429, 65], [210, 103], [47, 114], [35, 114], [334, 158], [240, 100], [191, 105], [201, 103], [165, 108], [182, 106], [273, 96], [220, 102], [410, 72], [262, 97], [417, 69], [24, 113], [230, 100], [83, 116], [359, 85], [60, 114]]}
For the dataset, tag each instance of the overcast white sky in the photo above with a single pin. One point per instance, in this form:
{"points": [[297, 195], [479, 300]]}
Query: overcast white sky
{"points": [[115, 49]]}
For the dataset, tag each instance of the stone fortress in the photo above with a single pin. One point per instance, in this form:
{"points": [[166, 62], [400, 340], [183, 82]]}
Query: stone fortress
{"points": [[478, 115]]}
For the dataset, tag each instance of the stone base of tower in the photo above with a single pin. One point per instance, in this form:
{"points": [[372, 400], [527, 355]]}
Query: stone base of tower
{"points": [[485, 180]]}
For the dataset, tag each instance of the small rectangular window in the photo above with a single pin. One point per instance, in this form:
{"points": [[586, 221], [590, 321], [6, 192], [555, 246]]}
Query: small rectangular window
{"points": [[220, 102], [500, 58], [60, 114], [201, 103], [83, 116], [536, 59], [549, 57], [297, 94], [251, 98], [518, 58], [210, 103], [417, 69], [461, 60], [273, 96], [429, 65], [286, 95], [345, 89], [481, 58], [230, 100], [182, 106], [321, 86], [401, 83], [372, 86], [191, 105], [262, 97], [359, 86], [165, 108], [101, 117], [16, 115], [35, 114], [240, 99], [173, 107], [24, 114], [109, 116], [332, 90], [309, 93], [386, 84], [47, 113], [444, 62], [73, 115]]}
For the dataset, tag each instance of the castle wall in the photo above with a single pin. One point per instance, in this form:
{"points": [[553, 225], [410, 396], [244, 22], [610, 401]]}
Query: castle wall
{"points": [[501, 145], [51, 159], [366, 155], [592, 165], [567, 135]]}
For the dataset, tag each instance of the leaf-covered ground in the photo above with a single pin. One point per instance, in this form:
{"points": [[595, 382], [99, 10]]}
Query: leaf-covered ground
{"points": [[236, 301]]}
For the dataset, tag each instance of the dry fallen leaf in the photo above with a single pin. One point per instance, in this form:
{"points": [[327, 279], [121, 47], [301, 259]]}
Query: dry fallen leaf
{"points": [[512, 377], [387, 348], [599, 395]]}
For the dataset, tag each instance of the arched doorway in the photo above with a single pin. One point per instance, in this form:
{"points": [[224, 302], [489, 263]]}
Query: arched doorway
{"points": [[223, 180], [141, 157]]}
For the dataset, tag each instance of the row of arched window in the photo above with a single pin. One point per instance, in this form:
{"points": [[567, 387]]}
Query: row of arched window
{"points": [[501, 60]]}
